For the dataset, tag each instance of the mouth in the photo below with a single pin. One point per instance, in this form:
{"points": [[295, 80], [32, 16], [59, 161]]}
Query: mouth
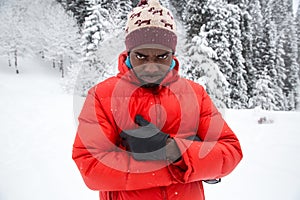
{"points": [[150, 78]]}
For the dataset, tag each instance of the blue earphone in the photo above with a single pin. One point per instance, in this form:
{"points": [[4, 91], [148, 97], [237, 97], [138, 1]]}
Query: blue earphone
{"points": [[173, 64], [128, 64]]}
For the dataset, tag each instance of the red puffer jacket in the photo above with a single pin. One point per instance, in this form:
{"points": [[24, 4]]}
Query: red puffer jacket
{"points": [[178, 107]]}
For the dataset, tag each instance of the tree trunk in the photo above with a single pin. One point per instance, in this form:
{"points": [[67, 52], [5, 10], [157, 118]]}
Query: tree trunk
{"points": [[9, 61], [16, 61], [61, 67], [42, 54]]}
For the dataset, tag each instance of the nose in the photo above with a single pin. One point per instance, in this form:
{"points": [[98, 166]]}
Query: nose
{"points": [[151, 67]]}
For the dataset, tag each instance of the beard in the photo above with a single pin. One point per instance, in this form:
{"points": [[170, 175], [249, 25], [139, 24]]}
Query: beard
{"points": [[150, 85], [146, 84]]}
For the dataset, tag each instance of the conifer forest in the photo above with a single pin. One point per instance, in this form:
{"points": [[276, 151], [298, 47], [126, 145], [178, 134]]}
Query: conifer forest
{"points": [[245, 53]]}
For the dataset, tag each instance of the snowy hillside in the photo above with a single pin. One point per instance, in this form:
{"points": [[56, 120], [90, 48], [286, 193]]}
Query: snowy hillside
{"points": [[37, 132], [38, 128]]}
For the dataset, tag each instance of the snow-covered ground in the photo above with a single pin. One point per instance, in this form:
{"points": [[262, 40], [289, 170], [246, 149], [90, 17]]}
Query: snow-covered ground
{"points": [[37, 132], [38, 128]]}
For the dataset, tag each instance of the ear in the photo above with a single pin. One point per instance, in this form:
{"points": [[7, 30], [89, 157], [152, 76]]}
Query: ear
{"points": [[127, 62], [173, 64]]}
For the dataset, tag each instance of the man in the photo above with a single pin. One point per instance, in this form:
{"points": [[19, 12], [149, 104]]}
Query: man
{"points": [[148, 133]]}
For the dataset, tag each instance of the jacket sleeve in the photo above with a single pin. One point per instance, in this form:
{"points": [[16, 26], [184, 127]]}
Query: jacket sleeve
{"points": [[216, 155], [102, 164]]}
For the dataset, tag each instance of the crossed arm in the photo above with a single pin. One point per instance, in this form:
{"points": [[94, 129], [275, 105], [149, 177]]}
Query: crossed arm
{"points": [[107, 167]]}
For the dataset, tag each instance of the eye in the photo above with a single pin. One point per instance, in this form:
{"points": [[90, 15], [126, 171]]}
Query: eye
{"points": [[140, 56], [163, 56]]}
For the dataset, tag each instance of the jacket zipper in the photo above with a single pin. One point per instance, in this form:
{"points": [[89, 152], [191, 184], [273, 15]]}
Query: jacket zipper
{"points": [[164, 193], [157, 108], [158, 123], [110, 195]]}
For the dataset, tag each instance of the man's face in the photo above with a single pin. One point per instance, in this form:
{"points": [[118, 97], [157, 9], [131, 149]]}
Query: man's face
{"points": [[151, 64]]}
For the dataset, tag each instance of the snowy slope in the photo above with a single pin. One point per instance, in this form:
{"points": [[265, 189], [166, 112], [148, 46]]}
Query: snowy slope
{"points": [[38, 129], [270, 167], [37, 133]]}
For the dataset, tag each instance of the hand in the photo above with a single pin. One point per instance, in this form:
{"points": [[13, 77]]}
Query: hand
{"points": [[173, 152], [146, 142], [194, 138]]}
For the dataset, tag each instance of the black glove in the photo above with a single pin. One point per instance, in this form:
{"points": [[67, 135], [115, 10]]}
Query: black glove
{"points": [[146, 142], [194, 138]]}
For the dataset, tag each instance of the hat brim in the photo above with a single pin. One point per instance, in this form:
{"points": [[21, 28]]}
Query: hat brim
{"points": [[151, 36]]}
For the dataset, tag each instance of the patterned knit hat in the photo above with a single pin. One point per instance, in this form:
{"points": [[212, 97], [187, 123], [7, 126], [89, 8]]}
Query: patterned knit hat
{"points": [[150, 23]]}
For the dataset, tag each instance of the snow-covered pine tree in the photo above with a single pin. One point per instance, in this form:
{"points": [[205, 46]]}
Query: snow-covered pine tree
{"points": [[123, 8], [239, 94], [92, 34], [263, 91], [4, 27], [134, 3], [79, 9], [298, 42], [263, 4], [224, 36], [270, 58], [292, 66], [93, 31], [280, 76], [109, 5], [101, 24], [61, 41], [180, 7], [241, 3], [298, 30], [252, 50], [279, 10], [298, 25], [290, 6], [195, 16], [246, 24], [13, 40], [59, 38], [205, 71]]}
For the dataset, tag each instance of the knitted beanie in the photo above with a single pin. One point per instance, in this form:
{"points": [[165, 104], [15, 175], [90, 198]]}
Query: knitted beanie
{"points": [[150, 23]]}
